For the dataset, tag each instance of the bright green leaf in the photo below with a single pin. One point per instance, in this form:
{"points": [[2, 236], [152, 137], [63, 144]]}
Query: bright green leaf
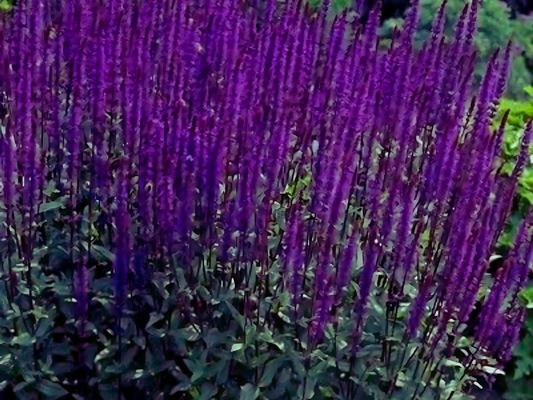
{"points": [[50, 206]]}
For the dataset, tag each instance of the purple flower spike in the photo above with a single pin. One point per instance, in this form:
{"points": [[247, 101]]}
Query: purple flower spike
{"points": [[122, 256], [345, 269], [419, 307]]}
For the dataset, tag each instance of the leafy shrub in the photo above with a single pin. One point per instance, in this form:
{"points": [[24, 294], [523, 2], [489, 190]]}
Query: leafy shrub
{"points": [[518, 381], [496, 28], [247, 200]]}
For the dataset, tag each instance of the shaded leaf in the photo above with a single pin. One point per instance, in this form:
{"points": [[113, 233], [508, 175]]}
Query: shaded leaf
{"points": [[52, 390], [249, 392]]}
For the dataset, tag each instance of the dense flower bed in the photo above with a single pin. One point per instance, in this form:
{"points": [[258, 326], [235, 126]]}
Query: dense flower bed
{"points": [[250, 200]]}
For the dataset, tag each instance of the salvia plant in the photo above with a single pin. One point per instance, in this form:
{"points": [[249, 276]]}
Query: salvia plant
{"points": [[251, 200]]}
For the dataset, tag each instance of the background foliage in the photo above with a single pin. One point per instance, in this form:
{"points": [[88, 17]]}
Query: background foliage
{"points": [[496, 28]]}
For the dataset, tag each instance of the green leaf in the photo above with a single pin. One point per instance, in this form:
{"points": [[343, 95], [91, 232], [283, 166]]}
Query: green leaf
{"points": [[269, 372], [50, 206], [249, 392], [5, 5], [105, 353], [196, 368], [23, 340], [52, 390], [208, 391], [493, 371], [214, 337], [19, 386], [310, 384], [370, 351], [237, 347], [102, 254], [452, 363], [526, 295], [238, 317], [153, 319], [326, 391], [180, 387]]}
